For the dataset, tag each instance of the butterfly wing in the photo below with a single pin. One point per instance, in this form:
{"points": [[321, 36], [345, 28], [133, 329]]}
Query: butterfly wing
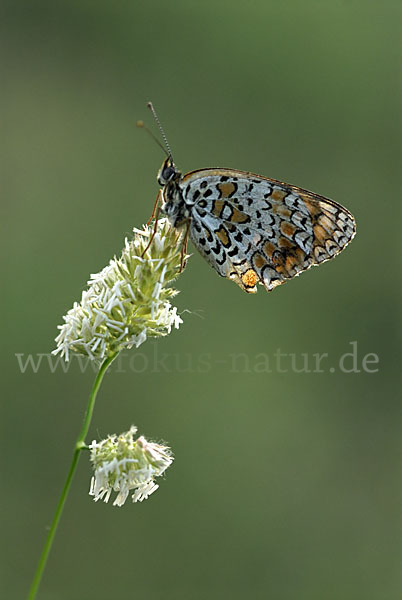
{"points": [[254, 229]]}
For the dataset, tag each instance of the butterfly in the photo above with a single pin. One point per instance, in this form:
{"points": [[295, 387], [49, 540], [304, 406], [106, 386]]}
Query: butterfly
{"points": [[250, 228]]}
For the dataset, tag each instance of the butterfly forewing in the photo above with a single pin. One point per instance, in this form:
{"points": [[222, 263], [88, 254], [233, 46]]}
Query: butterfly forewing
{"points": [[254, 229]]}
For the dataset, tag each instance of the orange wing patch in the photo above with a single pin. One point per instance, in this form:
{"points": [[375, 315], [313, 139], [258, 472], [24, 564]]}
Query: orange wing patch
{"points": [[223, 236], [320, 234], [218, 207], [226, 189], [291, 262], [259, 261], [278, 195], [282, 211], [313, 206], [269, 249], [239, 217], [287, 228], [285, 244], [325, 222]]}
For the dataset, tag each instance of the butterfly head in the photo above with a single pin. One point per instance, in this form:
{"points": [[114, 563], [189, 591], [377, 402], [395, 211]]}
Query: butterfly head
{"points": [[168, 172], [172, 205]]}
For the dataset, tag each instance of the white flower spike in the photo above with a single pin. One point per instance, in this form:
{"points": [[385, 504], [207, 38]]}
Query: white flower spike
{"points": [[122, 464], [128, 301]]}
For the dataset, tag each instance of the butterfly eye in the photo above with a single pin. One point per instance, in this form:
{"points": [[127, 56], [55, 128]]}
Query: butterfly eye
{"points": [[168, 173]]}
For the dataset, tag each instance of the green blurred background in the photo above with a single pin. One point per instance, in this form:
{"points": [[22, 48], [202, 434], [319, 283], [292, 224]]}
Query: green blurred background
{"points": [[285, 485]]}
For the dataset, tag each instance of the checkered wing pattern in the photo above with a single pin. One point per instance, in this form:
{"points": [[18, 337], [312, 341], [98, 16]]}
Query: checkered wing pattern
{"points": [[252, 229]]}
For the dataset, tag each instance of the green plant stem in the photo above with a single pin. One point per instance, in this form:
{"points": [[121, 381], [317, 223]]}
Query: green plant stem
{"points": [[80, 445]]}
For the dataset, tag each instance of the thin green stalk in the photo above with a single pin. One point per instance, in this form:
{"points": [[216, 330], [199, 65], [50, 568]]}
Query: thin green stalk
{"points": [[80, 445]]}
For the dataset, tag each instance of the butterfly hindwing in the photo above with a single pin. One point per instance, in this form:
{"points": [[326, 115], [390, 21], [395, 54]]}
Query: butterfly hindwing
{"points": [[254, 229]]}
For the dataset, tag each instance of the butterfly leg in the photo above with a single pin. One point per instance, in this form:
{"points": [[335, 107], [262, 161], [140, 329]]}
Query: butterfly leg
{"points": [[155, 214], [158, 196], [183, 251]]}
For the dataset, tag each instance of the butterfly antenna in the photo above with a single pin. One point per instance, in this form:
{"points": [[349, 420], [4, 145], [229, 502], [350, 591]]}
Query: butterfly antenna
{"points": [[153, 111]]}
